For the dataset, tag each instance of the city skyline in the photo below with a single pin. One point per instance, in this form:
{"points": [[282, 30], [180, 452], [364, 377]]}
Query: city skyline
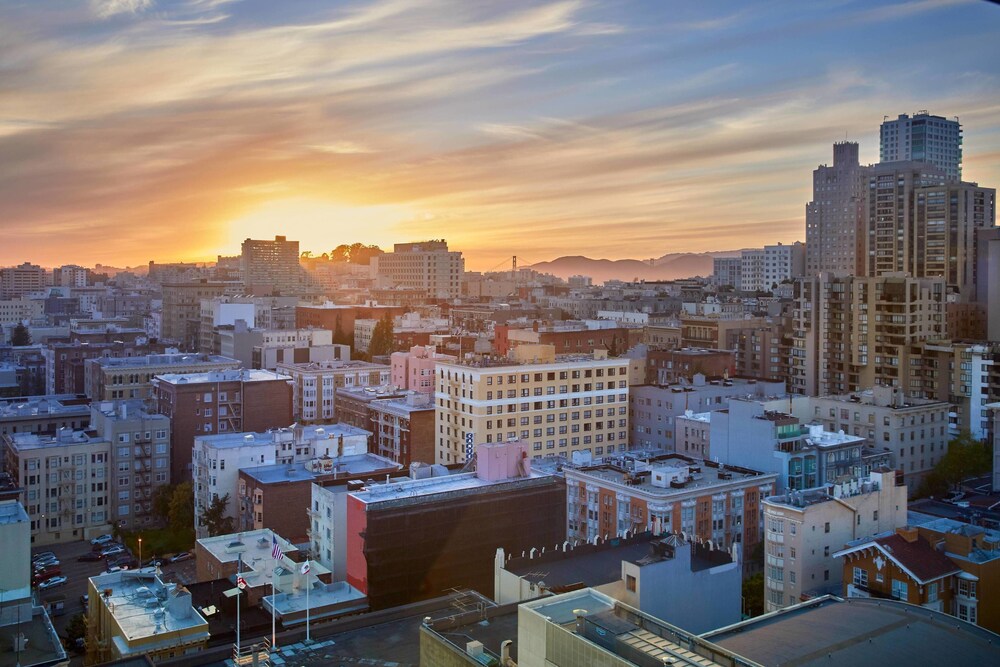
{"points": [[140, 129]]}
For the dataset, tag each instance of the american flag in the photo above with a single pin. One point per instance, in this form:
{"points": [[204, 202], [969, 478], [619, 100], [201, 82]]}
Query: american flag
{"points": [[275, 548]]}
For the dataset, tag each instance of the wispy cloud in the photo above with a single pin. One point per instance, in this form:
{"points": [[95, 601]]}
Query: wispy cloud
{"points": [[108, 8]]}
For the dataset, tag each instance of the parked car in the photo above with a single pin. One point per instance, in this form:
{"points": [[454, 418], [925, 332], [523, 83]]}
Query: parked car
{"points": [[184, 555], [48, 562], [90, 556], [115, 568], [125, 562], [155, 562], [52, 583], [45, 575], [44, 555], [112, 550], [101, 540]]}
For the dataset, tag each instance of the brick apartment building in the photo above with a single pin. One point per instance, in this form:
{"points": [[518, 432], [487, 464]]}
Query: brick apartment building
{"points": [[233, 401]]}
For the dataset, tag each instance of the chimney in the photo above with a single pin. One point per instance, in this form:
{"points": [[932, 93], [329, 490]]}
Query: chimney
{"points": [[908, 533]]}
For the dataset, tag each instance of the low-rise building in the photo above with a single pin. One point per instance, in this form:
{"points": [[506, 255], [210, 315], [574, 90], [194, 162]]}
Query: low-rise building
{"points": [[402, 423], [687, 584], [228, 401], [667, 494], [43, 414], [133, 613], [665, 367], [694, 437], [314, 385], [110, 379], [28, 636], [217, 459], [803, 529], [414, 370]]}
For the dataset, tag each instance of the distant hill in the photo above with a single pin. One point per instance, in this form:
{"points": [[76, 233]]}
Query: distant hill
{"points": [[672, 266]]}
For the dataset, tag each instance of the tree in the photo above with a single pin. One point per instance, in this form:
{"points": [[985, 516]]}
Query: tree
{"points": [[966, 457], [75, 630], [381, 343], [356, 253], [339, 337], [20, 336], [753, 595], [161, 500], [214, 517], [182, 507]]}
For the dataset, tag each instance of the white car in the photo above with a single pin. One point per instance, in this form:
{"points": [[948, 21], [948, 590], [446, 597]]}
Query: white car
{"points": [[102, 539], [52, 583], [112, 550]]}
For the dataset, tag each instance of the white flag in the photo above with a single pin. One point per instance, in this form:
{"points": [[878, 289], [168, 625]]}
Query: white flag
{"points": [[305, 567]]}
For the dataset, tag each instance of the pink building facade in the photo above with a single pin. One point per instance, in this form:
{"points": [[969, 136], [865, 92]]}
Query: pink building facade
{"points": [[414, 370]]}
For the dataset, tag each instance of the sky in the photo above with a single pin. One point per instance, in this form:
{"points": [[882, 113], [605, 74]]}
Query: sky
{"points": [[171, 130]]}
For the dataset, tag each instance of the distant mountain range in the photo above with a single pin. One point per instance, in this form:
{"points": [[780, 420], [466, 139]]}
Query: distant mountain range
{"points": [[672, 266]]}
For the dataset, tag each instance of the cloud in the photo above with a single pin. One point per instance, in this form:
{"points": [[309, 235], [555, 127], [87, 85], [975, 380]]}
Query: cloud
{"points": [[108, 8]]}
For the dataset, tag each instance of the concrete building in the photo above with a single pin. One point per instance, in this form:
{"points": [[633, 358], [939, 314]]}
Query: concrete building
{"points": [[568, 337], [314, 385], [763, 268], [134, 613], [889, 210], [222, 312], [66, 480], [753, 434], [804, 529], [835, 239], [117, 378], [427, 266], [412, 540], [653, 409], [278, 346], [216, 460], [923, 138], [181, 311], [852, 333], [915, 430], [574, 406], [43, 414], [140, 459], [402, 423], [414, 370], [965, 374], [752, 270], [27, 637], [694, 434], [667, 494], [670, 366], [16, 311], [683, 583], [268, 495], [225, 401], [988, 279], [271, 267], [339, 318], [19, 281], [727, 271]]}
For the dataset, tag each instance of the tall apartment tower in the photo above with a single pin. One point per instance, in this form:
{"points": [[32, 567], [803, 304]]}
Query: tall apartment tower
{"points": [[271, 267], [852, 333], [889, 212], [428, 266], [834, 238], [923, 138]]}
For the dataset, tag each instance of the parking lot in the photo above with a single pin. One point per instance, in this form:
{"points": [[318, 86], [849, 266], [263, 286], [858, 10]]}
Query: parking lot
{"points": [[78, 572]]}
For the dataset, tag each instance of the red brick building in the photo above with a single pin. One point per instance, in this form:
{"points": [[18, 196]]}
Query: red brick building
{"points": [[566, 339], [219, 402], [665, 367], [336, 317], [402, 423]]}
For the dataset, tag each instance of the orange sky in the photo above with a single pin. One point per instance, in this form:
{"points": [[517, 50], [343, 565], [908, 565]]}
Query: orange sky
{"points": [[133, 130]]}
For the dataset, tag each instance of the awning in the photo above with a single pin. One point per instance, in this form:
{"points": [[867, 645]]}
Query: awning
{"points": [[231, 592]]}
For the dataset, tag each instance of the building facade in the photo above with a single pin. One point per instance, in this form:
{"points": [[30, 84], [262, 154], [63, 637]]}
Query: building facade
{"points": [[923, 138], [314, 385], [426, 266]]}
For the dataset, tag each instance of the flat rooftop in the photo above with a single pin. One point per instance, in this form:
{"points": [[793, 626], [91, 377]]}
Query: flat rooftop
{"points": [[12, 512], [137, 596], [320, 366], [406, 489], [26, 441], [28, 407], [859, 632], [355, 465], [708, 476], [164, 360], [235, 375], [44, 646], [253, 548], [299, 434]]}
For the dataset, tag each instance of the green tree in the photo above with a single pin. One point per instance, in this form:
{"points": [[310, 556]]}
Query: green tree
{"points": [[161, 500], [182, 507], [339, 336], [381, 343], [966, 457], [214, 517], [20, 335], [753, 595], [355, 253], [76, 629]]}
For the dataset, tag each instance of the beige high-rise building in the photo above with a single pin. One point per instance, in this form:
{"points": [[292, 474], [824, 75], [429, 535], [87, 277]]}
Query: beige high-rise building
{"points": [[17, 281], [803, 529], [428, 266], [181, 320], [834, 239], [271, 267], [853, 333], [572, 405]]}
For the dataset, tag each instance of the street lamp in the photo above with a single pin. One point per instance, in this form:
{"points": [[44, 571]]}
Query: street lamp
{"points": [[140, 552]]}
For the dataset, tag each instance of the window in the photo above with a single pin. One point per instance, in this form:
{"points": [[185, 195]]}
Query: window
{"points": [[899, 590], [861, 577], [630, 582], [826, 527], [967, 589]]}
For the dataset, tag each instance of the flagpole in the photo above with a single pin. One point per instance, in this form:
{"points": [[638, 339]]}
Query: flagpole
{"points": [[308, 586], [239, 591], [274, 646]]}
